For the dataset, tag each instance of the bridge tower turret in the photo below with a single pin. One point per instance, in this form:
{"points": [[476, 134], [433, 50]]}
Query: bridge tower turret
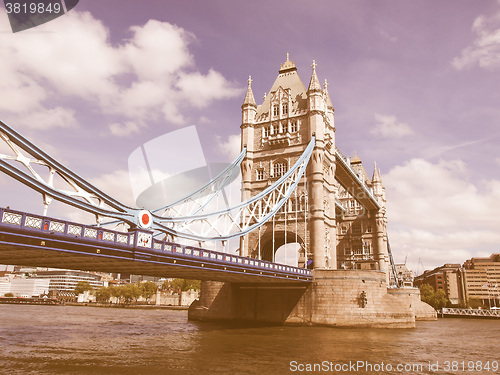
{"points": [[321, 194], [380, 220], [248, 112]]}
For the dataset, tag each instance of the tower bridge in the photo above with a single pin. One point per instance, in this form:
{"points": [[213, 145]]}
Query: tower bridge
{"points": [[297, 188]]}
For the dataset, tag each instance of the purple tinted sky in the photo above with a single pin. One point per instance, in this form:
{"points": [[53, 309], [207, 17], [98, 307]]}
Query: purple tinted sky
{"points": [[414, 85]]}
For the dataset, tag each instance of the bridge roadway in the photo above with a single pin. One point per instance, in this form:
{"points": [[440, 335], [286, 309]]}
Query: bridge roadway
{"points": [[33, 240]]}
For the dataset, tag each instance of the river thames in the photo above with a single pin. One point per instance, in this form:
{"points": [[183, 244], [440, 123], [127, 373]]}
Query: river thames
{"points": [[93, 340]]}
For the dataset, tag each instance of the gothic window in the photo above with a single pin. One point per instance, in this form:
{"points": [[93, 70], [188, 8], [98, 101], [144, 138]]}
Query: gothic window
{"points": [[356, 228], [293, 127], [367, 248], [358, 250], [369, 229], [354, 207], [279, 168], [265, 132], [260, 174], [352, 204], [276, 110], [284, 109]]}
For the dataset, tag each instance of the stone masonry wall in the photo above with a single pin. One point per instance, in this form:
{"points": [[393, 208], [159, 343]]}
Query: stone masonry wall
{"points": [[411, 296], [333, 299]]}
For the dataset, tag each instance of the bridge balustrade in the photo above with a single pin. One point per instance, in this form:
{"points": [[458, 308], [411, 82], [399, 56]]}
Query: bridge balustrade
{"points": [[470, 312], [37, 223]]}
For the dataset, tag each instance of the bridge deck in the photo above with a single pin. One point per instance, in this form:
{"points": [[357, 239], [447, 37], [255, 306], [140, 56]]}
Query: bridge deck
{"points": [[32, 240]]}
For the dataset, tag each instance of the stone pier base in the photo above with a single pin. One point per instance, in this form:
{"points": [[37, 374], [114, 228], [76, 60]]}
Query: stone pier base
{"points": [[411, 296], [335, 298]]}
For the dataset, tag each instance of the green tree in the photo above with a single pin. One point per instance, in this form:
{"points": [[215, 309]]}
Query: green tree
{"points": [[439, 299], [436, 299], [115, 291], [165, 285], [9, 295], [103, 294], [182, 285], [426, 292], [82, 287], [148, 289], [130, 292]]}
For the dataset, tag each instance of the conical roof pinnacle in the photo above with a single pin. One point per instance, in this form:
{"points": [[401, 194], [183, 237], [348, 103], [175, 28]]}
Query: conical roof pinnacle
{"points": [[249, 98], [314, 84], [376, 173]]}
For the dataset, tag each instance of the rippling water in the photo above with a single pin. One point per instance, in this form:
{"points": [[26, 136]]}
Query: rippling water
{"points": [[92, 340]]}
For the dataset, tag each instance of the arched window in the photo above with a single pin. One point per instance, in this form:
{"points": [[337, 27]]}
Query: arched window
{"points": [[284, 109]]}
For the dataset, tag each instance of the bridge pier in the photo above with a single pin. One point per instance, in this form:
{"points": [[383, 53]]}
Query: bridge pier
{"points": [[336, 298]]}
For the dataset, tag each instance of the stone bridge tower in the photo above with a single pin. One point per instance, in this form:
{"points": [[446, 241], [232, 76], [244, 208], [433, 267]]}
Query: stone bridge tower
{"points": [[337, 216], [276, 133], [332, 228]]}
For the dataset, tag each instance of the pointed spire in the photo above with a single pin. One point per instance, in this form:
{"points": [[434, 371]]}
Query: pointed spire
{"points": [[314, 84], [376, 173], [249, 98], [327, 96]]}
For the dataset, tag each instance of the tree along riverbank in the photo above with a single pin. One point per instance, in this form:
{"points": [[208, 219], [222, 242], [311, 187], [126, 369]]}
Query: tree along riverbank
{"points": [[125, 305]]}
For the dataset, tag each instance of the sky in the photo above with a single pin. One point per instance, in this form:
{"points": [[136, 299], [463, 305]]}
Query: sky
{"points": [[414, 85]]}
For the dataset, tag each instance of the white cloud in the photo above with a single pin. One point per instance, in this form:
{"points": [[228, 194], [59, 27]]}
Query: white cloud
{"points": [[450, 218], [117, 185], [24, 94], [388, 127], [124, 129], [157, 50], [75, 57], [231, 147], [203, 89], [485, 50], [47, 118], [150, 75]]}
